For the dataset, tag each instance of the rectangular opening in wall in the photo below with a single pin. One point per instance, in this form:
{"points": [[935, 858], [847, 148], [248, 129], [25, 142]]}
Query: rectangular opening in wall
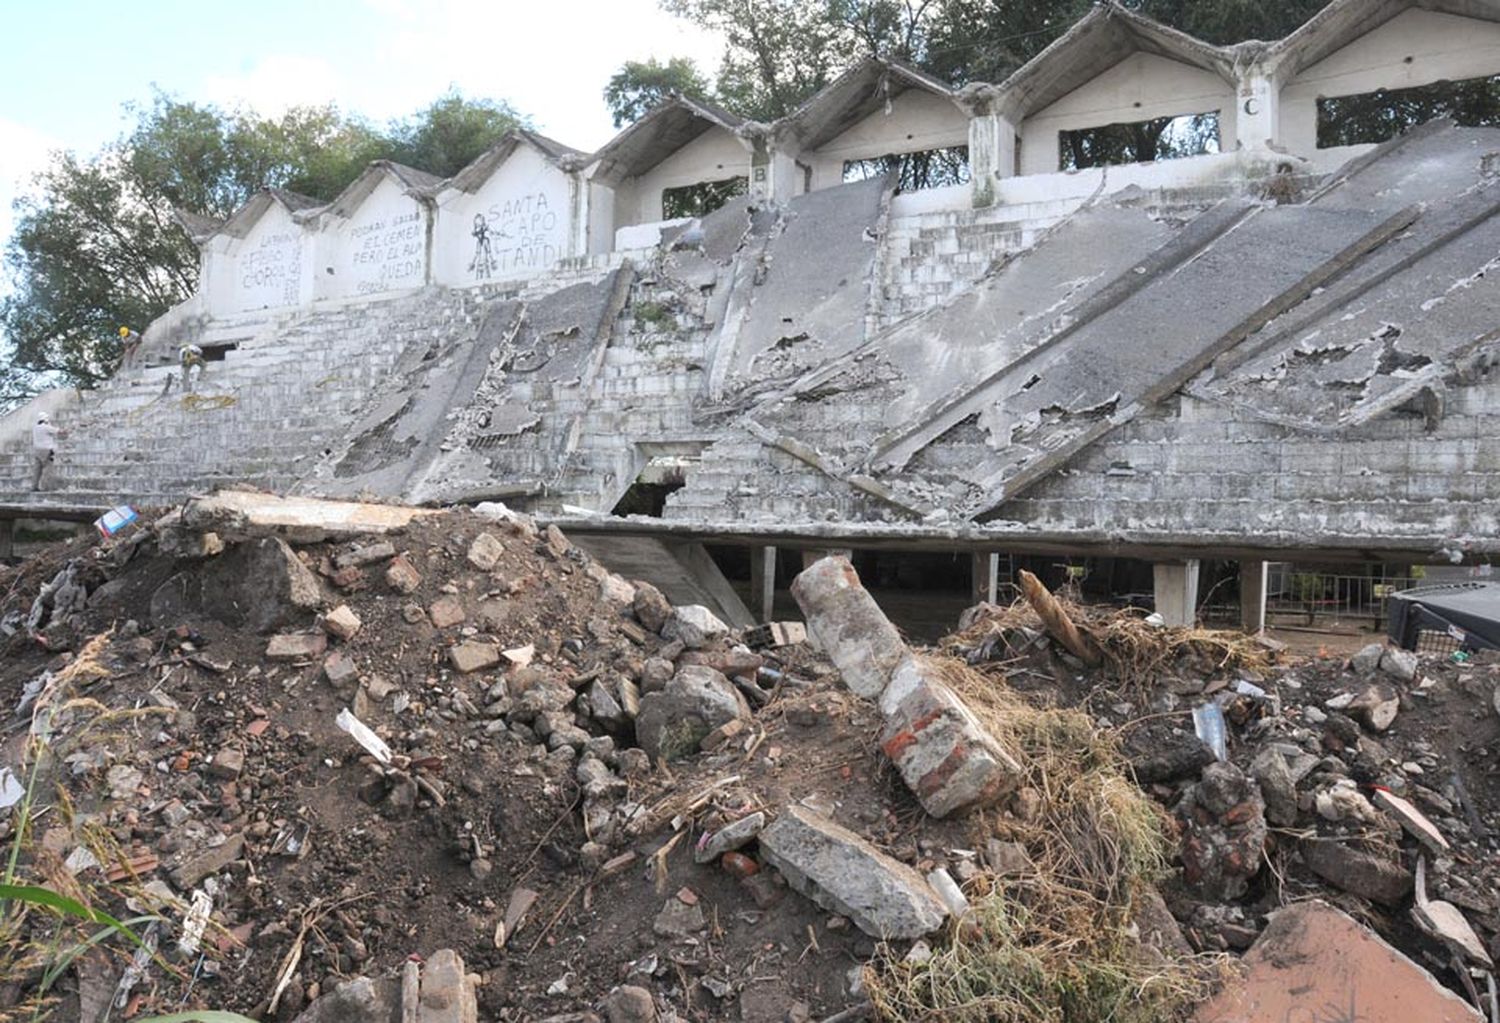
{"points": [[701, 198], [1371, 117], [217, 353], [927, 168], [1161, 138]]}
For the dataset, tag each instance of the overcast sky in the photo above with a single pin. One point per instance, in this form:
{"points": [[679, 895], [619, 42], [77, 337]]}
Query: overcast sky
{"points": [[68, 67]]}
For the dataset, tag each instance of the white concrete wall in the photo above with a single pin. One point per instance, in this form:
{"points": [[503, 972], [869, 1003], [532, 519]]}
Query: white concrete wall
{"points": [[918, 121], [270, 268], [1141, 87], [712, 156], [381, 248], [1416, 47], [525, 209]]}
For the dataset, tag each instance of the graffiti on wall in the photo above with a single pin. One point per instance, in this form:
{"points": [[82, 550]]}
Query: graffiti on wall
{"points": [[387, 253], [270, 273], [516, 235]]}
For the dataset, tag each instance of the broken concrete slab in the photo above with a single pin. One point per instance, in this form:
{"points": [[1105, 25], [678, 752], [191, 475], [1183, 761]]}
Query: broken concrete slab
{"points": [[1413, 821], [237, 514], [847, 875], [1312, 958], [849, 625], [945, 755], [198, 866], [472, 656]]}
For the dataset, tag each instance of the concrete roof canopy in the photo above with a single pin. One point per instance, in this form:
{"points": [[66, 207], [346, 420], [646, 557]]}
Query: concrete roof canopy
{"points": [[1343, 21], [246, 217], [416, 183], [473, 177], [1101, 39], [668, 127], [856, 94], [198, 227]]}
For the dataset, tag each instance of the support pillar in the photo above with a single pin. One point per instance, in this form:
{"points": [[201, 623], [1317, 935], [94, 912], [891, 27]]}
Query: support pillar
{"points": [[984, 577], [1254, 577], [1176, 586], [763, 582], [7, 538], [992, 155], [1258, 117]]}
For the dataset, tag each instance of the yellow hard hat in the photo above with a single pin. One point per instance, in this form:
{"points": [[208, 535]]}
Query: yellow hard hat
{"points": [[124, 331]]}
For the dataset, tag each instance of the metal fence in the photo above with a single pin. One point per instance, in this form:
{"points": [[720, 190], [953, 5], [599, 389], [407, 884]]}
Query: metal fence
{"points": [[1305, 598]]}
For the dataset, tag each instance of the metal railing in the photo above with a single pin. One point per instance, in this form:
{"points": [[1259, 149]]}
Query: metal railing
{"points": [[1295, 597]]}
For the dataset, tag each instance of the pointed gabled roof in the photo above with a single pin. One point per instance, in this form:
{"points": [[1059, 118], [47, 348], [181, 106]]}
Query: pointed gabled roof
{"points": [[1343, 21], [473, 177], [853, 96], [246, 217], [418, 184], [198, 227], [668, 127], [1101, 39]]}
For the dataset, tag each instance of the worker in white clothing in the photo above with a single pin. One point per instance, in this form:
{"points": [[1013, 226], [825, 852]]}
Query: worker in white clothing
{"points": [[44, 437]]}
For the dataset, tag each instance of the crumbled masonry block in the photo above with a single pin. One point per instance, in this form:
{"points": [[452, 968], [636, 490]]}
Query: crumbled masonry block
{"points": [[296, 646], [210, 861], [1313, 956], [342, 622], [402, 576], [473, 656], [847, 875], [339, 668], [227, 764], [849, 625], [447, 996], [446, 612], [485, 552], [945, 756]]}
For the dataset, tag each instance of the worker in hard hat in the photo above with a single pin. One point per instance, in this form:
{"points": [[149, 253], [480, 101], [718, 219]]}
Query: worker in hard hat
{"points": [[44, 437], [130, 343], [190, 356]]}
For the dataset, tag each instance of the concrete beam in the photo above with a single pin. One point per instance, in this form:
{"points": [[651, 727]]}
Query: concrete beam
{"points": [[1254, 576], [1176, 586]]}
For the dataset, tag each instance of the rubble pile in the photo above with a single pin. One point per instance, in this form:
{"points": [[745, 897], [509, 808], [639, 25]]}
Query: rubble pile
{"points": [[340, 761]]}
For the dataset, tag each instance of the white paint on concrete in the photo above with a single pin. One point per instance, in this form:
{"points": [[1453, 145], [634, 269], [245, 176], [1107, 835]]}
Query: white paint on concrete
{"points": [[1141, 87], [917, 120], [712, 156], [269, 268], [380, 248], [1416, 47], [517, 224]]}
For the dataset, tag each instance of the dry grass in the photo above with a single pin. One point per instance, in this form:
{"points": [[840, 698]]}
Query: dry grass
{"points": [[1054, 944], [1135, 652]]}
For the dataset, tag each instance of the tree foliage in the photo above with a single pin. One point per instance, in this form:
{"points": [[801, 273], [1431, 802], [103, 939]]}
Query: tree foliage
{"points": [[640, 85], [97, 245]]}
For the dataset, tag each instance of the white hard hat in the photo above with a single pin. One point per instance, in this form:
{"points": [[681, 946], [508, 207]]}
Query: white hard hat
{"points": [[42, 418]]}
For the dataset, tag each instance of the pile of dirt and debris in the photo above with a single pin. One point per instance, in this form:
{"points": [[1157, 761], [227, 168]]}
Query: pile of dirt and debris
{"points": [[339, 761]]}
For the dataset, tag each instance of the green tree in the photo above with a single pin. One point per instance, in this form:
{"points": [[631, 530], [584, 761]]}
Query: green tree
{"points": [[641, 85], [449, 134]]}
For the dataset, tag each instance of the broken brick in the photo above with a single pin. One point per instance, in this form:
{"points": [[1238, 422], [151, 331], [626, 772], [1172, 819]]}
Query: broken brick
{"points": [[342, 622], [402, 576], [446, 612], [296, 646]]}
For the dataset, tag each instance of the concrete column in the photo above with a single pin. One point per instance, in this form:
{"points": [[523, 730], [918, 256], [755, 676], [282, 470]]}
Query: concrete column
{"points": [[1176, 586], [992, 155], [984, 578], [1257, 121], [7, 538], [1254, 577], [786, 178], [763, 581]]}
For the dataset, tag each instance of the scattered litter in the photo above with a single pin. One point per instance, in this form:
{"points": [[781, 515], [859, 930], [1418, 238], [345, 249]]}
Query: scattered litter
{"points": [[373, 744], [1208, 723]]}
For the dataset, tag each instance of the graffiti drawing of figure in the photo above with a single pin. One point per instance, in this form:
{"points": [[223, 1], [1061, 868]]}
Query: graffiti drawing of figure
{"points": [[483, 263]]}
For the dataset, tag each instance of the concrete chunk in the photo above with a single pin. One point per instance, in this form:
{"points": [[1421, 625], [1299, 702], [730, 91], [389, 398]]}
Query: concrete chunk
{"points": [[342, 622], [847, 875], [472, 656], [366, 555], [1313, 957], [945, 756], [849, 625], [210, 861], [447, 996], [485, 552], [674, 720], [296, 646], [402, 576]]}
